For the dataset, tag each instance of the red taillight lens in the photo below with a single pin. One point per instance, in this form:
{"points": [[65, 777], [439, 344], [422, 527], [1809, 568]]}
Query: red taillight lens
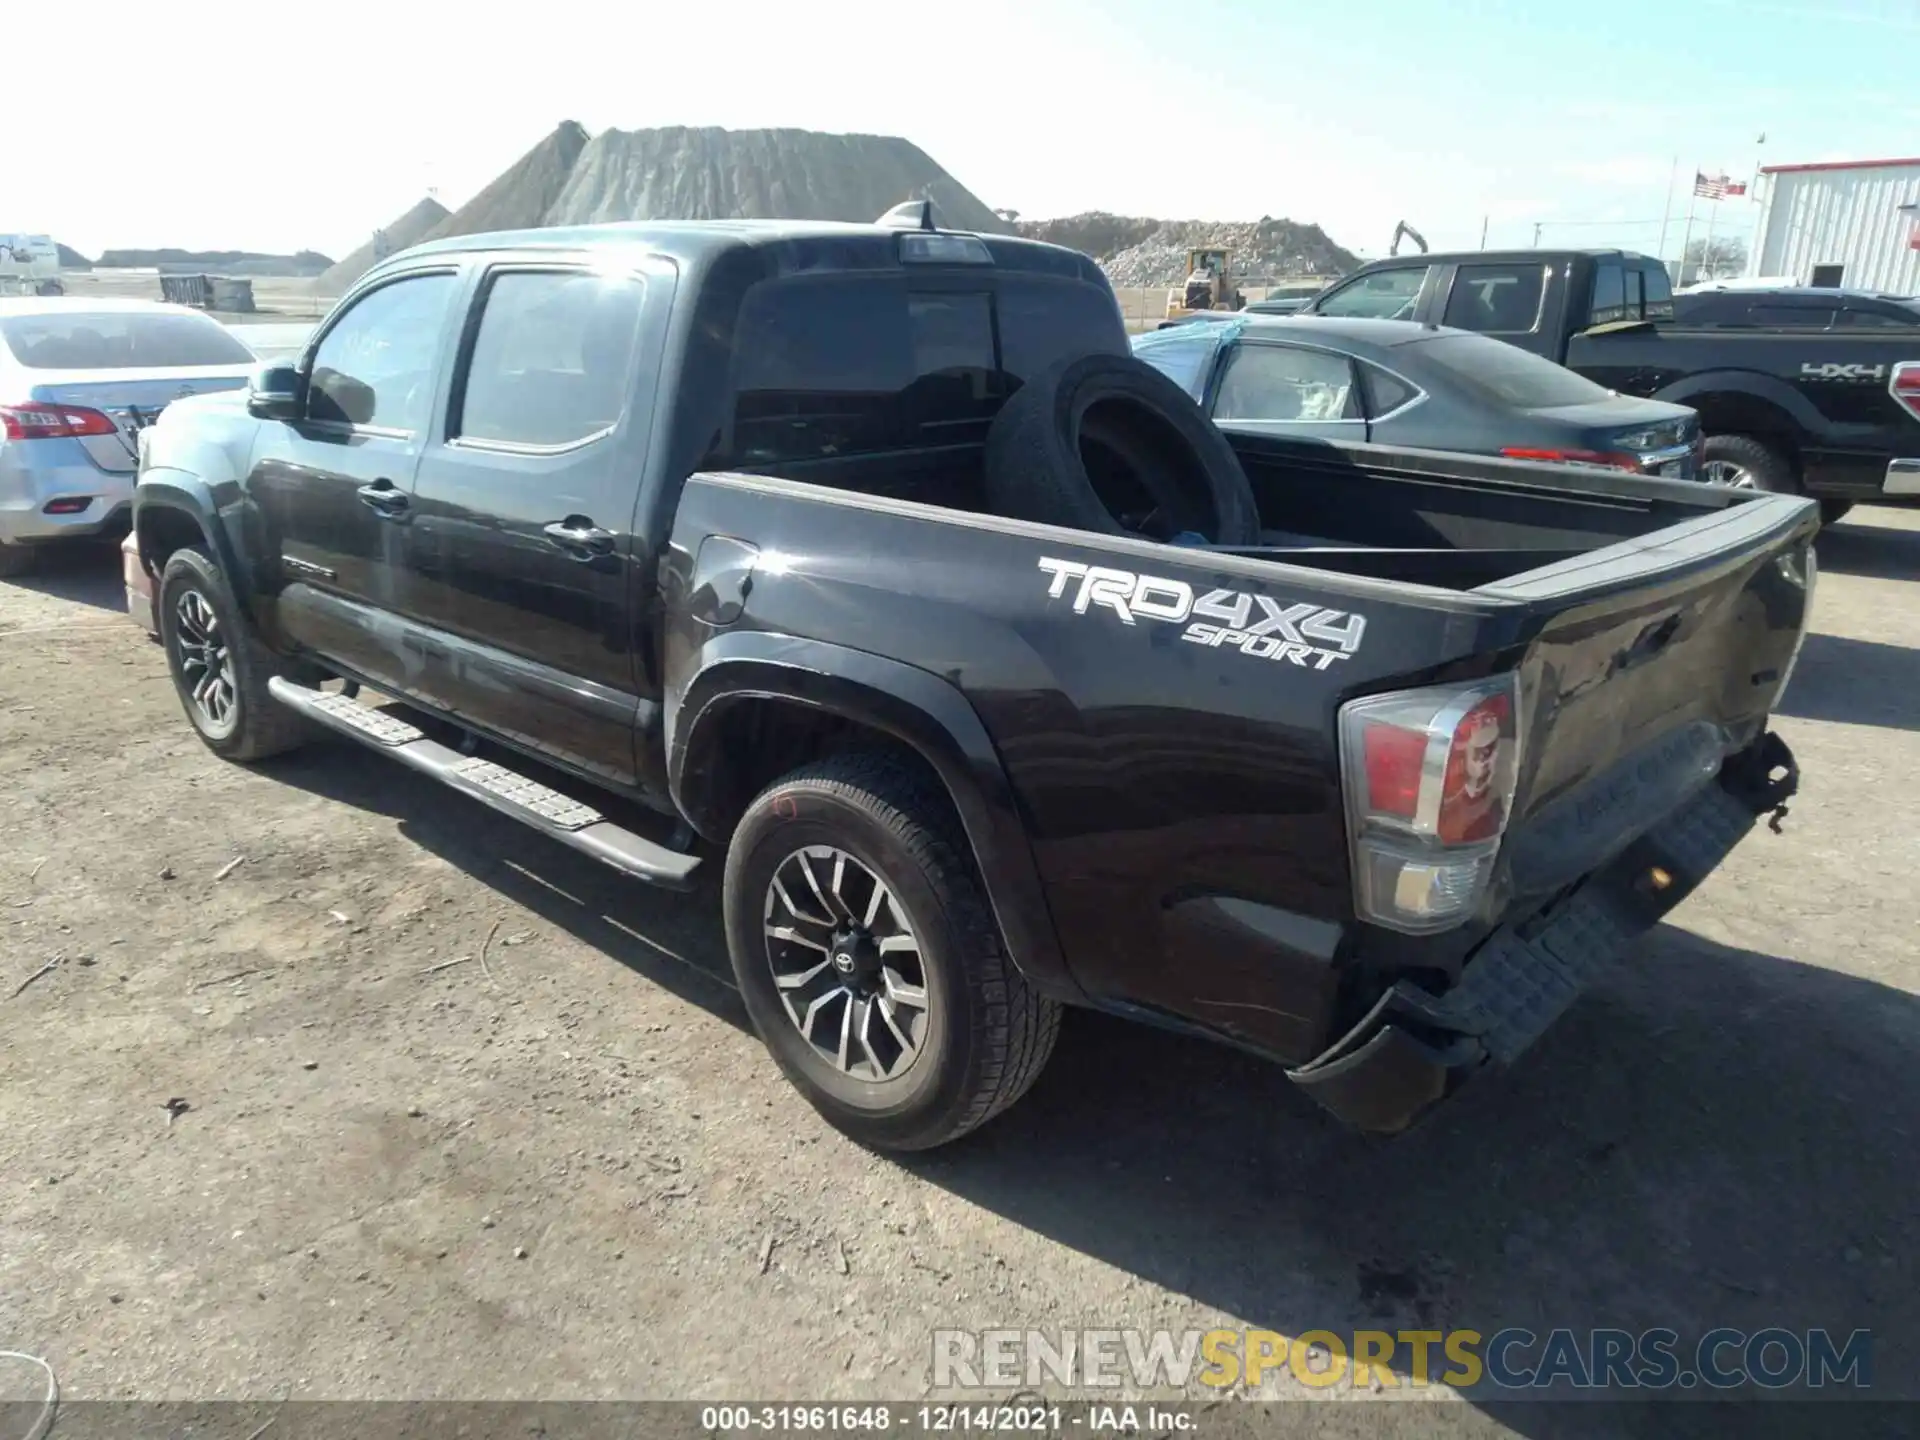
{"points": [[1423, 854], [43, 420], [1905, 386], [1611, 459], [1394, 758], [1472, 801]]}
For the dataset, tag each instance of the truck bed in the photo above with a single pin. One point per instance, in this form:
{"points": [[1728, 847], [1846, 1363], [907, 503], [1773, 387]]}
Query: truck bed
{"points": [[1428, 518]]}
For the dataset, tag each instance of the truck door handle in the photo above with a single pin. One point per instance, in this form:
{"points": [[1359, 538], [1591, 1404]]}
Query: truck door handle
{"points": [[382, 496], [580, 537]]}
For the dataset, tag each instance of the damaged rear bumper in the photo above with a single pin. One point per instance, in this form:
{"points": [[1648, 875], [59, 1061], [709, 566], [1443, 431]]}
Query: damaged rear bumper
{"points": [[1413, 1048]]}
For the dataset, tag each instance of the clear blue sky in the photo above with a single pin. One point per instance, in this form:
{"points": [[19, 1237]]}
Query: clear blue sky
{"points": [[1352, 114]]}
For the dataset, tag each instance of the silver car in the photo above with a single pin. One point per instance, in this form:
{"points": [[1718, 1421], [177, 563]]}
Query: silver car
{"points": [[79, 380]]}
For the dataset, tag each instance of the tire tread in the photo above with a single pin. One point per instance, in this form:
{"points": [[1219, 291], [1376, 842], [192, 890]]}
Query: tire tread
{"points": [[1019, 1025]]}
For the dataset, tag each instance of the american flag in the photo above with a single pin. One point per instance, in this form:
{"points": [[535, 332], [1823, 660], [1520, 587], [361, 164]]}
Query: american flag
{"points": [[1712, 187]]}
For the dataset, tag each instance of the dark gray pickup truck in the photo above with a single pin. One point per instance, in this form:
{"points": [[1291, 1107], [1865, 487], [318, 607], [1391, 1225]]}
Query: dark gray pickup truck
{"points": [[866, 558], [1831, 411]]}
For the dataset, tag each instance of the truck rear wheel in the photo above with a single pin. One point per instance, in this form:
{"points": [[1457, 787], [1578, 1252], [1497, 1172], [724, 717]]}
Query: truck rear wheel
{"points": [[1744, 463], [220, 669], [870, 960]]}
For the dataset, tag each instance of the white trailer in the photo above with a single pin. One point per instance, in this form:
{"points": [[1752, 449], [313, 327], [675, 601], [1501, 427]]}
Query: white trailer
{"points": [[29, 264]]}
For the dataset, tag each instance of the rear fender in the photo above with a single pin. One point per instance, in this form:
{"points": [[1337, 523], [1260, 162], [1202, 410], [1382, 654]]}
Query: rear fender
{"points": [[1736, 402], [916, 708]]}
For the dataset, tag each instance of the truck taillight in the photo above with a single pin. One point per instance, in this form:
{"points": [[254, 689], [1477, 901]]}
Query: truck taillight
{"points": [[42, 420], [1605, 459], [1905, 386], [1429, 784]]}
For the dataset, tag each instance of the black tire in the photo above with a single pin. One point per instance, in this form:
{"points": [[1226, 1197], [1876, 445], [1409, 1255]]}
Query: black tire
{"points": [[1761, 466], [984, 1034], [254, 725], [1092, 440], [1832, 512], [17, 559]]}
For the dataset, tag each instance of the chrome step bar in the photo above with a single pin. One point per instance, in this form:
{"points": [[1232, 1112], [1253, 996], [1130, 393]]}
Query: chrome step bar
{"points": [[540, 806]]}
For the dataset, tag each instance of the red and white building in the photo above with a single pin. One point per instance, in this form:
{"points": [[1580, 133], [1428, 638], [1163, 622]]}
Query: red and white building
{"points": [[1853, 223]]}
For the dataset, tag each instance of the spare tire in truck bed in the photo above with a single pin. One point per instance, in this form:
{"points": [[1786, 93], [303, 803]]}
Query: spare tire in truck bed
{"points": [[1108, 444]]}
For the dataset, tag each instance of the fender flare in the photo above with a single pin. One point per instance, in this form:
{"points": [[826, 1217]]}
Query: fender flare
{"points": [[914, 706], [184, 493], [1748, 385]]}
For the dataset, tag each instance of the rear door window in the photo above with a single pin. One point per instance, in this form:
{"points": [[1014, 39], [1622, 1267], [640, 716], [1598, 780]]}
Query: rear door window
{"points": [[1287, 382], [1386, 392], [552, 357], [1497, 299], [1383, 295]]}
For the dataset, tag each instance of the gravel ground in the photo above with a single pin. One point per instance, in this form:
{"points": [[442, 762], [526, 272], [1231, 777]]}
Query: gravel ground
{"points": [[251, 1146]]}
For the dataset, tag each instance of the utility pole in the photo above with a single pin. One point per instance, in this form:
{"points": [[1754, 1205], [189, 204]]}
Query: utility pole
{"points": [[1538, 226], [1483, 230], [1686, 236]]}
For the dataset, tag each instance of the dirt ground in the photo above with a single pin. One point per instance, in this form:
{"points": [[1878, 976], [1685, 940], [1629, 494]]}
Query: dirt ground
{"points": [[253, 1145]]}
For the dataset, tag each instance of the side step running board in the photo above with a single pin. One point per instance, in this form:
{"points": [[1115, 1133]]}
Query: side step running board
{"points": [[508, 791]]}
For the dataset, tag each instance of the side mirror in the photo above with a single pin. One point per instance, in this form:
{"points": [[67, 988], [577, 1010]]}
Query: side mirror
{"points": [[277, 392]]}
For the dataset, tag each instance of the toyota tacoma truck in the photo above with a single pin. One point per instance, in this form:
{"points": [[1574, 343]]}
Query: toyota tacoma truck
{"points": [[1830, 410], [864, 564]]}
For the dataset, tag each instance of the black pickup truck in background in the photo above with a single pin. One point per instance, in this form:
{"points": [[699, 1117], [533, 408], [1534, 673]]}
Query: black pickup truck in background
{"points": [[867, 558], [1833, 412]]}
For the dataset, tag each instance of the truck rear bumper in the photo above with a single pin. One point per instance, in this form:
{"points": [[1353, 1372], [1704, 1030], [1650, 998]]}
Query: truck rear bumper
{"points": [[1903, 478], [1414, 1048]]}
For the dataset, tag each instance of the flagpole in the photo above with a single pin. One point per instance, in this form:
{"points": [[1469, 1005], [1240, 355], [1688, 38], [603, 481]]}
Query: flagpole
{"points": [[1666, 213], [1686, 236], [1706, 245]]}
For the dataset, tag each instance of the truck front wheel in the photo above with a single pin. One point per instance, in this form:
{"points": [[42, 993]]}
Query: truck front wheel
{"points": [[870, 960], [220, 669]]}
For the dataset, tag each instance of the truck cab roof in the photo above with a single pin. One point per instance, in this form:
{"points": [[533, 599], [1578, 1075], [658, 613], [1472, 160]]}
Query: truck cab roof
{"points": [[789, 245]]}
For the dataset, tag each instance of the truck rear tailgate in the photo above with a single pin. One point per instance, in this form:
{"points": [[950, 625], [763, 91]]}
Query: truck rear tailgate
{"points": [[1667, 656]]}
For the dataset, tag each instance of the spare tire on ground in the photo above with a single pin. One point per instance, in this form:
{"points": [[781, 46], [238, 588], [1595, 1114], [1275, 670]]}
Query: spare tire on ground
{"points": [[1108, 444]]}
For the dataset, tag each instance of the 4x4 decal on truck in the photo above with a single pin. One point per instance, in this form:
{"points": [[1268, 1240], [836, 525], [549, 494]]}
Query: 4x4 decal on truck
{"points": [[1256, 625], [1835, 370]]}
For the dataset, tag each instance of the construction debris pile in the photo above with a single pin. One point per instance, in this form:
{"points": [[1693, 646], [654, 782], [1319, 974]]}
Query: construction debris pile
{"points": [[1139, 251], [678, 173]]}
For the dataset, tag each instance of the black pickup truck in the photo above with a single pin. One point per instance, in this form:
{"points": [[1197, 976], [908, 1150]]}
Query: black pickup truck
{"points": [[867, 557], [1831, 413]]}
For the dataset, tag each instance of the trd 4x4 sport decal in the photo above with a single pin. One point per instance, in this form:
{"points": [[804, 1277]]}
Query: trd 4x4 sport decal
{"points": [[1255, 625]]}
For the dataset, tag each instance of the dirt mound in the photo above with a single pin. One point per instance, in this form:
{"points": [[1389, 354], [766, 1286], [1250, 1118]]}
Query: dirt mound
{"points": [[1136, 250], [520, 197], [409, 229], [677, 173]]}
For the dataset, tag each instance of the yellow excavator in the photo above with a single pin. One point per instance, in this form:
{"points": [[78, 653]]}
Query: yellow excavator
{"points": [[1208, 286]]}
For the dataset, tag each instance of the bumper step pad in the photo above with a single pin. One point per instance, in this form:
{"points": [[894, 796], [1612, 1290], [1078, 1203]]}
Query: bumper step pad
{"points": [[1412, 1047], [547, 810]]}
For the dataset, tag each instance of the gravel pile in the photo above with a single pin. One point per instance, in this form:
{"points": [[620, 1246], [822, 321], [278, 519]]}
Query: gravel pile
{"points": [[677, 173], [410, 229], [521, 196], [1138, 250], [1260, 248]]}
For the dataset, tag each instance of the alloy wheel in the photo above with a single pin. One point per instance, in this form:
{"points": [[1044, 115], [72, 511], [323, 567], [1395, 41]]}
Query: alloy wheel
{"points": [[206, 664], [1726, 472], [846, 964]]}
